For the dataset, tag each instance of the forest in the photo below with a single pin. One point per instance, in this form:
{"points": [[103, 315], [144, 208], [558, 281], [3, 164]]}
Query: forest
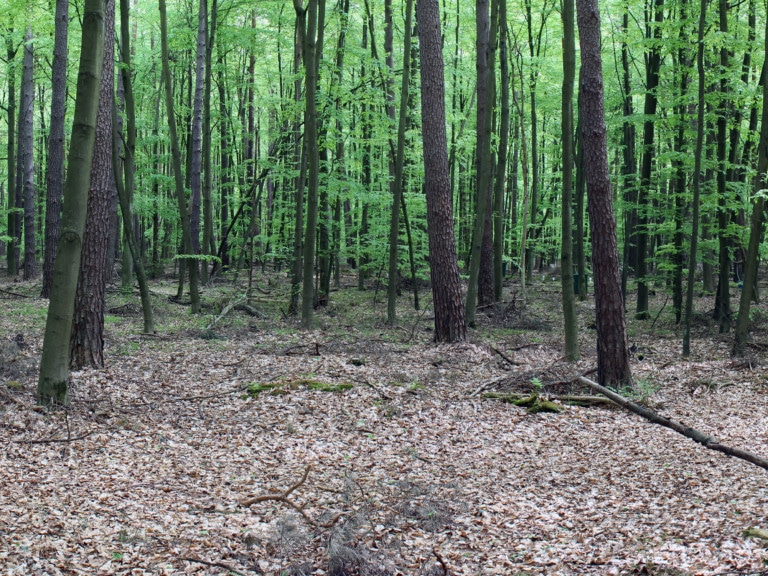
{"points": [[381, 287]]}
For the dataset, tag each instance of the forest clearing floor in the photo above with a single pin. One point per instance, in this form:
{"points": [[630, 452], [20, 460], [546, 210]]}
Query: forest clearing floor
{"points": [[367, 449]]}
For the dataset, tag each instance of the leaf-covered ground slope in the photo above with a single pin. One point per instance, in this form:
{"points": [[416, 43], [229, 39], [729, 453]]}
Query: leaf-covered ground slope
{"points": [[407, 471]]}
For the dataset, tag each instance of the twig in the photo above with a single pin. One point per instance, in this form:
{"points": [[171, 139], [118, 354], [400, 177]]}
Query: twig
{"points": [[284, 499], [381, 393], [703, 439], [660, 311], [483, 387], [506, 358], [224, 312], [212, 564], [442, 562]]}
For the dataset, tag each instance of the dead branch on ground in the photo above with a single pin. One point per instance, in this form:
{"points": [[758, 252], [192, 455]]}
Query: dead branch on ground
{"points": [[687, 431], [283, 497]]}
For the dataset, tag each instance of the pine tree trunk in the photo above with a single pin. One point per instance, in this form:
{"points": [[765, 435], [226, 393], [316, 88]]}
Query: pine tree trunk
{"points": [[450, 324], [612, 351], [87, 339]]}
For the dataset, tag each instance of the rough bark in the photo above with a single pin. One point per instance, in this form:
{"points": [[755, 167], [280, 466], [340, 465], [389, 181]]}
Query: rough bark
{"points": [[450, 324], [612, 351], [87, 338]]}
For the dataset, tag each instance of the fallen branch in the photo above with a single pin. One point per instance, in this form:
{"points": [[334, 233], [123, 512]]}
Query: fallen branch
{"points": [[224, 312], [566, 399], [703, 439], [442, 562], [376, 388], [285, 500], [506, 358], [16, 294]]}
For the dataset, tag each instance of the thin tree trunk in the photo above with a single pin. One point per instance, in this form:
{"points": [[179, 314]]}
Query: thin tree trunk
{"points": [[501, 162], [27, 157], [12, 252], [571, 329], [398, 184], [700, 126], [178, 178], [55, 178], [649, 152], [125, 187], [757, 227]]}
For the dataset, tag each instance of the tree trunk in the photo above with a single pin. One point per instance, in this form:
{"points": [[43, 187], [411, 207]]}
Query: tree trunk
{"points": [[501, 162], [450, 324], [196, 163], [12, 252], [723, 310], [649, 151], [178, 178], [312, 50], [571, 329], [486, 30], [54, 364], [757, 227], [55, 178], [27, 157], [698, 152], [125, 187], [612, 351], [398, 184], [87, 339], [209, 241]]}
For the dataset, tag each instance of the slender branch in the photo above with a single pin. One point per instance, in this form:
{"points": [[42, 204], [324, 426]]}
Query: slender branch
{"points": [[687, 431]]}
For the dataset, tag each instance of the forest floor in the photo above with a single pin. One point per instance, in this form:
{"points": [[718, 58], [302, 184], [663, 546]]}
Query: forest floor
{"points": [[367, 449]]}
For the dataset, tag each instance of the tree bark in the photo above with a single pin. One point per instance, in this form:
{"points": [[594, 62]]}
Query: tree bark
{"points": [[12, 253], [178, 178], [698, 152], [55, 178], [649, 151], [27, 156], [398, 184], [54, 364], [757, 227], [87, 338], [571, 330], [612, 351], [450, 324]]}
